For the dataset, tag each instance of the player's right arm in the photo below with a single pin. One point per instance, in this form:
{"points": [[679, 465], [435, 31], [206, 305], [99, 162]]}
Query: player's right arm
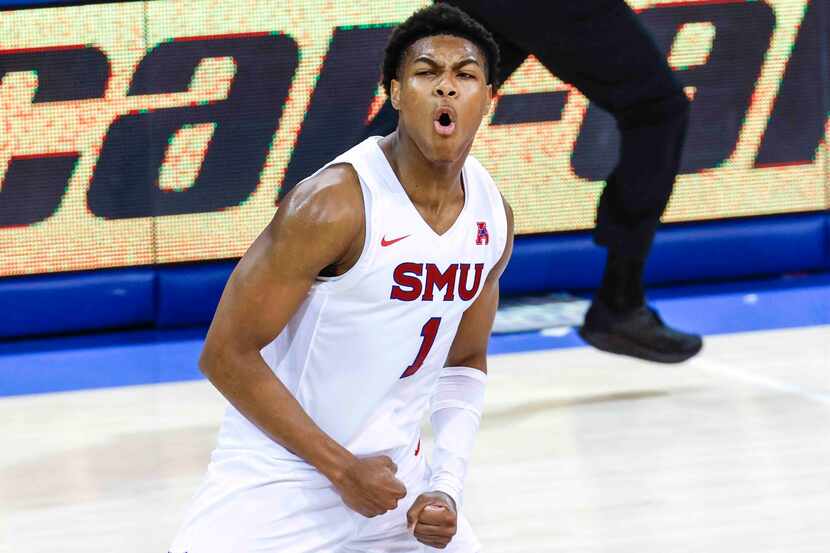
{"points": [[319, 225]]}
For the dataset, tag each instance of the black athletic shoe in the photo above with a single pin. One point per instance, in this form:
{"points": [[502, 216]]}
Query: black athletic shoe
{"points": [[638, 333]]}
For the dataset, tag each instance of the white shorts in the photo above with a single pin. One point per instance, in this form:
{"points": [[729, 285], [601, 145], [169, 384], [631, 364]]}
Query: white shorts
{"points": [[247, 504]]}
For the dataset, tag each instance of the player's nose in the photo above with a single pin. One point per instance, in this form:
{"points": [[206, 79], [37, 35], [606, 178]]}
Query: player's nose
{"points": [[445, 87]]}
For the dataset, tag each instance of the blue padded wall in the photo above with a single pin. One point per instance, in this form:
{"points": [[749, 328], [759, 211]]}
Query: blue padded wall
{"points": [[76, 302], [189, 294], [827, 240], [739, 248], [552, 262], [681, 253], [186, 295]]}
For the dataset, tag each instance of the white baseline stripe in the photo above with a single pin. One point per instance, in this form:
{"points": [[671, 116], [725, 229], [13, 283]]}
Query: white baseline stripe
{"points": [[759, 381]]}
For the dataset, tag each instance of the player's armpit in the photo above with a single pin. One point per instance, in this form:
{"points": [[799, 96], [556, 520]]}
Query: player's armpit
{"points": [[469, 348]]}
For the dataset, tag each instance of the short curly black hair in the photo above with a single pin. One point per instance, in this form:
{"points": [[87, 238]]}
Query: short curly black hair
{"points": [[438, 19]]}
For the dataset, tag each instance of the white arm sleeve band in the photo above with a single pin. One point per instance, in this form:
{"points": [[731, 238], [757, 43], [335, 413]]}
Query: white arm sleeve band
{"points": [[455, 415]]}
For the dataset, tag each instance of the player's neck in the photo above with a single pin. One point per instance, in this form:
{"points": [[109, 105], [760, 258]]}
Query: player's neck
{"points": [[428, 183]]}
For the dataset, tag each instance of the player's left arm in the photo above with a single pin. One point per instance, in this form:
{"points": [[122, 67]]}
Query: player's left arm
{"points": [[469, 348], [456, 411]]}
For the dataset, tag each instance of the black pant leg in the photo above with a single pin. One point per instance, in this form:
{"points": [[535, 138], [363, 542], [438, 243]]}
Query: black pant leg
{"points": [[601, 48]]}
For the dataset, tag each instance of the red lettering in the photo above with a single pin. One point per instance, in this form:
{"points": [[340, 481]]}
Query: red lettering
{"points": [[407, 276], [437, 279], [465, 293], [428, 333]]}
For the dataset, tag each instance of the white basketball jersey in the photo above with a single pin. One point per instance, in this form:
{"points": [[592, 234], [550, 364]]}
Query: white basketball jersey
{"points": [[363, 353]]}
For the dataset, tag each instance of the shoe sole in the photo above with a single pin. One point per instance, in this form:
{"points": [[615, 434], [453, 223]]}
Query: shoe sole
{"points": [[614, 344]]}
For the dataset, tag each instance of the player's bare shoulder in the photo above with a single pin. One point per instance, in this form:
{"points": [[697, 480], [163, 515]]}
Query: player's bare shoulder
{"points": [[322, 219], [332, 196]]}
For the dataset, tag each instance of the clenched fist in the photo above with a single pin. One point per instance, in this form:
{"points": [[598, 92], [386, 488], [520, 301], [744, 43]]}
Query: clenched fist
{"points": [[433, 518], [369, 486]]}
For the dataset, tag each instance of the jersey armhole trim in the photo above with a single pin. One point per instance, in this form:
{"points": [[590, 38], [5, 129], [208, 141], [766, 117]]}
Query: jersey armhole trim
{"points": [[329, 284], [505, 226]]}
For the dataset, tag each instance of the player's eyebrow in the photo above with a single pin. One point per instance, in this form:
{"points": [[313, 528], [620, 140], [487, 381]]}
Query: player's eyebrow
{"points": [[430, 61], [467, 61], [426, 59]]}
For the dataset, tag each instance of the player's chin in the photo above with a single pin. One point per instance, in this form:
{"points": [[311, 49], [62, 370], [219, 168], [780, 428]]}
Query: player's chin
{"points": [[448, 149]]}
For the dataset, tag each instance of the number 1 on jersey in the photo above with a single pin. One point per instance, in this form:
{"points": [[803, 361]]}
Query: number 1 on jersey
{"points": [[429, 332]]}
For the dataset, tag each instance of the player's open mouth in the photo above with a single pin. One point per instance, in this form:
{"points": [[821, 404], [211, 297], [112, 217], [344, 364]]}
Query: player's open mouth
{"points": [[444, 123]]}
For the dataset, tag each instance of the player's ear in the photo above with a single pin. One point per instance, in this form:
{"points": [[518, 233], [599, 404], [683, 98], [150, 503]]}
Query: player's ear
{"points": [[395, 93], [488, 99]]}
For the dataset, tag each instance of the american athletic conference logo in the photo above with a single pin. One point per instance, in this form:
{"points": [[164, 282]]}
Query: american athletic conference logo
{"points": [[482, 236]]}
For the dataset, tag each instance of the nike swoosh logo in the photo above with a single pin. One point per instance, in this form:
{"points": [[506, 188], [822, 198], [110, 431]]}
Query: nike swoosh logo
{"points": [[384, 242]]}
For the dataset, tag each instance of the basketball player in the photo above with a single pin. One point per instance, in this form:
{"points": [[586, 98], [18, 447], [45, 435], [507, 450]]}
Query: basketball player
{"points": [[367, 301], [601, 48]]}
